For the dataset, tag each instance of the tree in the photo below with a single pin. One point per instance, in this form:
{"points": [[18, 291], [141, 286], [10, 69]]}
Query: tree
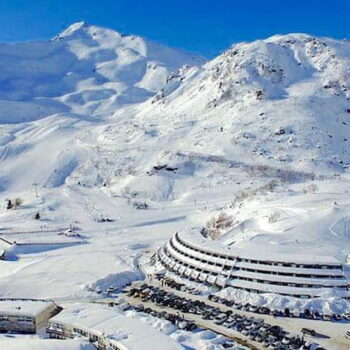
{"points": [[140, 205], [18, 203], [274, 217], [217, 224], [9, 204], [37, 216], [312, 188]]}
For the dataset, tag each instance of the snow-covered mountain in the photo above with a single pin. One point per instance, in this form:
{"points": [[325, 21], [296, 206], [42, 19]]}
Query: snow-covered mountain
{"points": [[86, 70], [53, 91], [283, 101], [95, 107]]}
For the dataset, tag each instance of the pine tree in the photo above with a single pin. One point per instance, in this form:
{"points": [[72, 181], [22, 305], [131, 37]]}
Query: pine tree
{"points": [[9, 204]]}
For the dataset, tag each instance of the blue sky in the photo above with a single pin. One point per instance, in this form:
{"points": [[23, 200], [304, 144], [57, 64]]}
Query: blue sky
{"points": [[205, 27]]}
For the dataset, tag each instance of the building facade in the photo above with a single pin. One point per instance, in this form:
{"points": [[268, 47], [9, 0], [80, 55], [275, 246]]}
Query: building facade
{"points": [[25, 315], [303, 279]]}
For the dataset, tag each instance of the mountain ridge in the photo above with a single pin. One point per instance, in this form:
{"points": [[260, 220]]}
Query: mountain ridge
{"points": [[265, 103], [81, 69], [282, 83]]}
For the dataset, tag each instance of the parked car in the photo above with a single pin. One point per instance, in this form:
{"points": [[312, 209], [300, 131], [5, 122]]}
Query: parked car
{"points": [[309, 331]]}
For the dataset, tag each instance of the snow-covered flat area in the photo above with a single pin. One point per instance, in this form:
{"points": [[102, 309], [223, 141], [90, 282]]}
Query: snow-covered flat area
{"points": [[108, 252]]}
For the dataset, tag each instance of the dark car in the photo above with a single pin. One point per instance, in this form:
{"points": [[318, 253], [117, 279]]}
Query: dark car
{"points": [[309, 331]]}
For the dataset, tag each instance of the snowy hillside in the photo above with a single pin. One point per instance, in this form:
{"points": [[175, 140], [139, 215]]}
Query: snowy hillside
{"points": [[76, 80], [283, 101], [85, 70], [280, 102]]}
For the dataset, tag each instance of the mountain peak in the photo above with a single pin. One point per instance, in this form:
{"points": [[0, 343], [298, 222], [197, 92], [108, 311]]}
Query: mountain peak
{"points": [[297, 82], [78, 25], [84, 30], [75, 29]]}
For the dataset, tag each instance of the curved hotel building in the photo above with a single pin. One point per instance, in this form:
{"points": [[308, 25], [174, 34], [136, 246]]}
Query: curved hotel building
{"points": [[190, 255]]}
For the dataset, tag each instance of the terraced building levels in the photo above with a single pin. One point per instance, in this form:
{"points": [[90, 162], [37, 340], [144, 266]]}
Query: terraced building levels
{"points": [[214, 265]]}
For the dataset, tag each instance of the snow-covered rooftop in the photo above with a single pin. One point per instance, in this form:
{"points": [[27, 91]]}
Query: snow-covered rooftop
{"points": [[23, 306], [131, 332]]}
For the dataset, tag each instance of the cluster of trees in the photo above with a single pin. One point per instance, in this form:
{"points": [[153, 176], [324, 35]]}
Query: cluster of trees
{"points": [[216, 225], [274, 217], [312, 188], [14, 203], [139, 205], [242, 195]]}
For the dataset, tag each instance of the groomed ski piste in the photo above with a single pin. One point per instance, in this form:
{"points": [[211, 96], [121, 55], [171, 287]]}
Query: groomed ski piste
{"points": [[138, 149]]}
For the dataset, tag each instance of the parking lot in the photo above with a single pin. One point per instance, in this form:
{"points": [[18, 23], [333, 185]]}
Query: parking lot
{"points": [[308, 314], [329, 335], [249, 331]]}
